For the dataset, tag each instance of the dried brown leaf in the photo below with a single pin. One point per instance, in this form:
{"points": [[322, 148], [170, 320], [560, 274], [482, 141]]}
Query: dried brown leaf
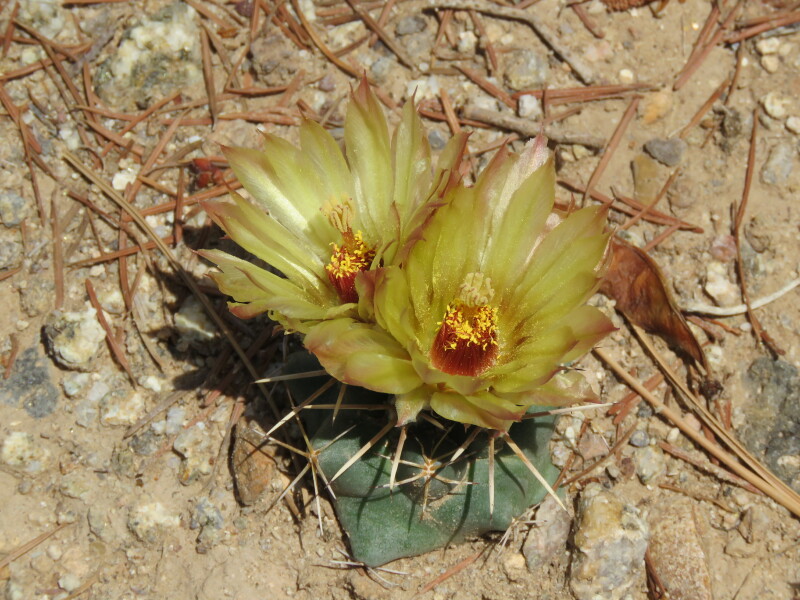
{"points": [[636, 283]]}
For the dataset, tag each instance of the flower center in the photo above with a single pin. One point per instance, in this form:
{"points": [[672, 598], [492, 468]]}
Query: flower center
{"points": [[466, 343], [347, 261]]}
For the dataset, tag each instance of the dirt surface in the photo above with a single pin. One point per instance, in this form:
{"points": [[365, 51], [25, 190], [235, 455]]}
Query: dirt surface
{"points": [[140, 508]]}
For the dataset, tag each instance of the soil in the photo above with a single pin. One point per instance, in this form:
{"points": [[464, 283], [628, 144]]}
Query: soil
{"points": [[137, 514]]}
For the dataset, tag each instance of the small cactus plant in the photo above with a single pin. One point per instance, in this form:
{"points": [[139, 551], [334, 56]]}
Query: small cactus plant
{"points": [[432, 502], [435, 302]]}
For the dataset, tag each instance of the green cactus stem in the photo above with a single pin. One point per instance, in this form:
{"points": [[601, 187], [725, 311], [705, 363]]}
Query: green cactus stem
{"points": [[433, 503]]}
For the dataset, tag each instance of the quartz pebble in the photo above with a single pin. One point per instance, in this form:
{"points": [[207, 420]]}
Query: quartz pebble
{"points": [[793, 125], [548, 536], [770, 63], [768, 45], [148, 521], [529, 107], [21, 452], [775, 105], [74, 338], [610, 542], [650, 463], [13, 208], [208, 519], [526, 70], [719, 286], [197, 448], [193, 323], [778, 166], [125, 410]]}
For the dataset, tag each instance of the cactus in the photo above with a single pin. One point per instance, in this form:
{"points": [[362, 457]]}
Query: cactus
{"points": [[449, 505]]}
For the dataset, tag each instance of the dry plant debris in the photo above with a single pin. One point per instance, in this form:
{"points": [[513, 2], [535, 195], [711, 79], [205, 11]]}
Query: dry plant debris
{"points": [[102, 173]]}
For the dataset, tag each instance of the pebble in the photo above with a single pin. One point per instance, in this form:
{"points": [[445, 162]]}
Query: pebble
{"points": [[69, 582], [437, 139], [592, 445], [647, 180], [639, 439], [723, 248], [381, 68], [598, 51], [778, 166], [610, 541], [719, 286], [173, 423], [793, 125], [514, 567], [74, 338], [655, 106], [676, 550], [411, 24], [526, 70], [47, 16], [775, 105], [650, 463], [770, 63], [21, 452], [467, 42], [198, 450], [124, 409], [30, 386], [77, 484], [666, 151], [13, 209], [772, 428], [626, 76], [548, 536], [149, 521], [208, 519], [155, 58], [530, 107], [193, 323], [768, 45], [36, 297], [10, 248], [252, 463]]}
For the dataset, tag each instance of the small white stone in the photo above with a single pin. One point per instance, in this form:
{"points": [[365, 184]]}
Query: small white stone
{"points": [[147, 521], [768, 46], [529, 107], [122, 178], [774, 105], [626, 76], [20, 451], [151, 382], [54, 552], [467, 42], [69, 582], [771, 63], [124, 411], [718, 286], [793, 125]]}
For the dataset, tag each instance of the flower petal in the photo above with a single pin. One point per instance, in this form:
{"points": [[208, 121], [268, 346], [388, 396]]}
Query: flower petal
{"points": [[368, 150], [361, 354]]}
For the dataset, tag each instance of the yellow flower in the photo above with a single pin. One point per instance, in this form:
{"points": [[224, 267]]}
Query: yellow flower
{"points": [[489, 306], [321, 217]]}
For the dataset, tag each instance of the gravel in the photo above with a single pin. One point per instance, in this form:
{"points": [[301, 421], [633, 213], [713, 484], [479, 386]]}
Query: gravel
{"points": [[610, 541]]}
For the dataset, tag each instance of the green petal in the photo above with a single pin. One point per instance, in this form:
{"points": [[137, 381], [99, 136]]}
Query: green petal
{"points": [[369, 155], [264, 237], [408, 406], [517, 228], [361, 354], [485, 410], [248, 283], [412, 167]]}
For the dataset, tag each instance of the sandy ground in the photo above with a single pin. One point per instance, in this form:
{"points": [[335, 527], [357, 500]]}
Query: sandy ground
{"points": [[154, 514]]}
